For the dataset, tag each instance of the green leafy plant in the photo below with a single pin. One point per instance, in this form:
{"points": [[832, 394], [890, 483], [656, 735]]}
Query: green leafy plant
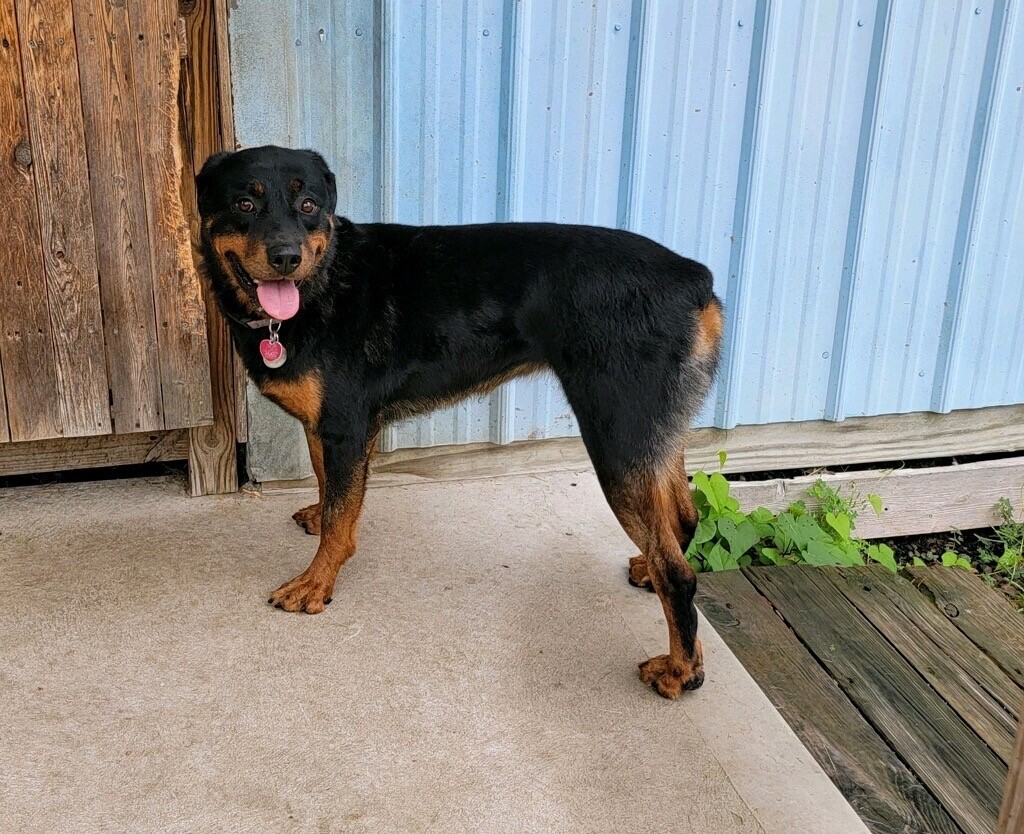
{"points": [[1004, 550], [728, 538]]}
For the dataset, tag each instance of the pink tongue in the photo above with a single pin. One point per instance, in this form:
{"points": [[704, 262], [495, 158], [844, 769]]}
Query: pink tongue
{"points": [[280, 299]]}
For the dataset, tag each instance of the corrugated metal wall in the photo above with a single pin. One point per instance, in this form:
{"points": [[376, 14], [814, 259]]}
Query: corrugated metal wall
{"points": [[851, 171]]}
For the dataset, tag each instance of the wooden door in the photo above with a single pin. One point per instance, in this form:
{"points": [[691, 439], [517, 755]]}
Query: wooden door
{"points": [[102, 319]]}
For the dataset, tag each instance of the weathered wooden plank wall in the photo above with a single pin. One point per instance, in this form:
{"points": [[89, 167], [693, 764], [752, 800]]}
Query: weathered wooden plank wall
{"points": [[53, 100], [103, 320], [122, 234], [30, 375]]}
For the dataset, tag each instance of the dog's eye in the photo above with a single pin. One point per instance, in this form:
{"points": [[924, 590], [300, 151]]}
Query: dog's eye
{"points": [[246, 205], [307, 207]]}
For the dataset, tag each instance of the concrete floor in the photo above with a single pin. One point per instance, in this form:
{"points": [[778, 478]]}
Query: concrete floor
{"points": [[476, 672]]}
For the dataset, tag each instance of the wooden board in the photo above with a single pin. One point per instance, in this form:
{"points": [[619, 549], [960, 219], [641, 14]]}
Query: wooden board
{"points": [[1011, 815], [891, 438], [984, 697], [91, 452], [50, 72], [26, 346], [122, 238], [180, 311], [803, 445], [213, 465], [888, 797], [982, 615], [915, 500], [954, 764]]}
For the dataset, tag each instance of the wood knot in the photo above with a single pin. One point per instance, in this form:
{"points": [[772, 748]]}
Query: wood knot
{"points": [[23, 154], [950, 610]]}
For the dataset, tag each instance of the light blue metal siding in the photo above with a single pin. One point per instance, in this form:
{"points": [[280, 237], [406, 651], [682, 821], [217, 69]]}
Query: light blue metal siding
{"points": [[850, 171]]}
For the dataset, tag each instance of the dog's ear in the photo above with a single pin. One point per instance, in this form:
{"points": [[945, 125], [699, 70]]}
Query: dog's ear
{"points": [[332, 190], [205, 176]]}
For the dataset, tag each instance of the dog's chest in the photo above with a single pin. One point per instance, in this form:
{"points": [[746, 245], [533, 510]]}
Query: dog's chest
{"points": [[300, 396]]}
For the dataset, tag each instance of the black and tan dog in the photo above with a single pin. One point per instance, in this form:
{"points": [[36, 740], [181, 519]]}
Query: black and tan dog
{"points": [[373, 322]]}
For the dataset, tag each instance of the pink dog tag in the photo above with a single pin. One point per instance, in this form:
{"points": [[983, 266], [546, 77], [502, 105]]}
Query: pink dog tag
{"points": [[273, 352]]}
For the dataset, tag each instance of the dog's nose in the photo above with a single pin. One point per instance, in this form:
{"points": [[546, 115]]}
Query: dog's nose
{"points": [[284, 258]]}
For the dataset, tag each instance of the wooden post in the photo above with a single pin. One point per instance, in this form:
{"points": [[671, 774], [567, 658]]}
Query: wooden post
{"points": [[1011, 817], [208, 127]]}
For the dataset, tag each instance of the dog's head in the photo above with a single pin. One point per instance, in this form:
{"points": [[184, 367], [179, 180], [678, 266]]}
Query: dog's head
{"points": [[267, 224]]}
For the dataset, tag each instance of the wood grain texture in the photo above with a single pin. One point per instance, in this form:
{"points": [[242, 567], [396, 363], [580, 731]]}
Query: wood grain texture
{"points": [[887, 796], [750, 448], [1011, 815], [122, 237], [982, 614], [956, 766], [228, 142], [980, 692], [26, 345], [91, 452], [5, 429], [50, 71], [54, 109], [180, 310], [891, 438], [213, 464], [915, 500]]}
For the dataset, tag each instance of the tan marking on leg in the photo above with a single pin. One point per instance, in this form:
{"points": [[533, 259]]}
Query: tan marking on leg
{"points": [[650, 509], [311, 590], [308, 518], [301, 397]]}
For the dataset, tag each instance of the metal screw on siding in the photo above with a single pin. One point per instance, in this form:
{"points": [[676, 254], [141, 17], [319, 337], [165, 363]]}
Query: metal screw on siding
{"points": [[618, 27], [860, 22], [359, 33], [739, 22], [487, 33], [323, 36], [977, 10]]}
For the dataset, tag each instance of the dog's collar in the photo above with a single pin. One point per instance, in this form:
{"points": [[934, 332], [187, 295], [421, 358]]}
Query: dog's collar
{"points": [[253, 324]]}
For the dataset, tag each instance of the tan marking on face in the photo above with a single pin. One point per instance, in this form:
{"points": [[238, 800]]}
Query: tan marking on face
{"points": [[709, 330], [253, 257], [240, 246], [257, 188], [302, 397]]}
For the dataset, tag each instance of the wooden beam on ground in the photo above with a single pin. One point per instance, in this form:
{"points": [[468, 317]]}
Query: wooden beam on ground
{"points": [[91, 452], [915, 501], [213, 465], [953, 762], [887, 796], [806, 445], [1011, 815], [986, 618]]}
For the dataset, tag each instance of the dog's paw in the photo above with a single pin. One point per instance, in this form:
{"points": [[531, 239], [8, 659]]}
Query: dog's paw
{"points": [[669, 678], [308, 518], [639, 576], [303, 593]]}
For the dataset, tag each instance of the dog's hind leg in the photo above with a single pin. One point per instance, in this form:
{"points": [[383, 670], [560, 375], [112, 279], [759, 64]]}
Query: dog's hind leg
{"points": [[346, 465], [308, 518], [656, 511], [639, 573]]}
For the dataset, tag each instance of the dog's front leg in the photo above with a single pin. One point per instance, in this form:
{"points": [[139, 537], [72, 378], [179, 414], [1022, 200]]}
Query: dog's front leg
{"points": [[346, 465], [308, 518]]}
